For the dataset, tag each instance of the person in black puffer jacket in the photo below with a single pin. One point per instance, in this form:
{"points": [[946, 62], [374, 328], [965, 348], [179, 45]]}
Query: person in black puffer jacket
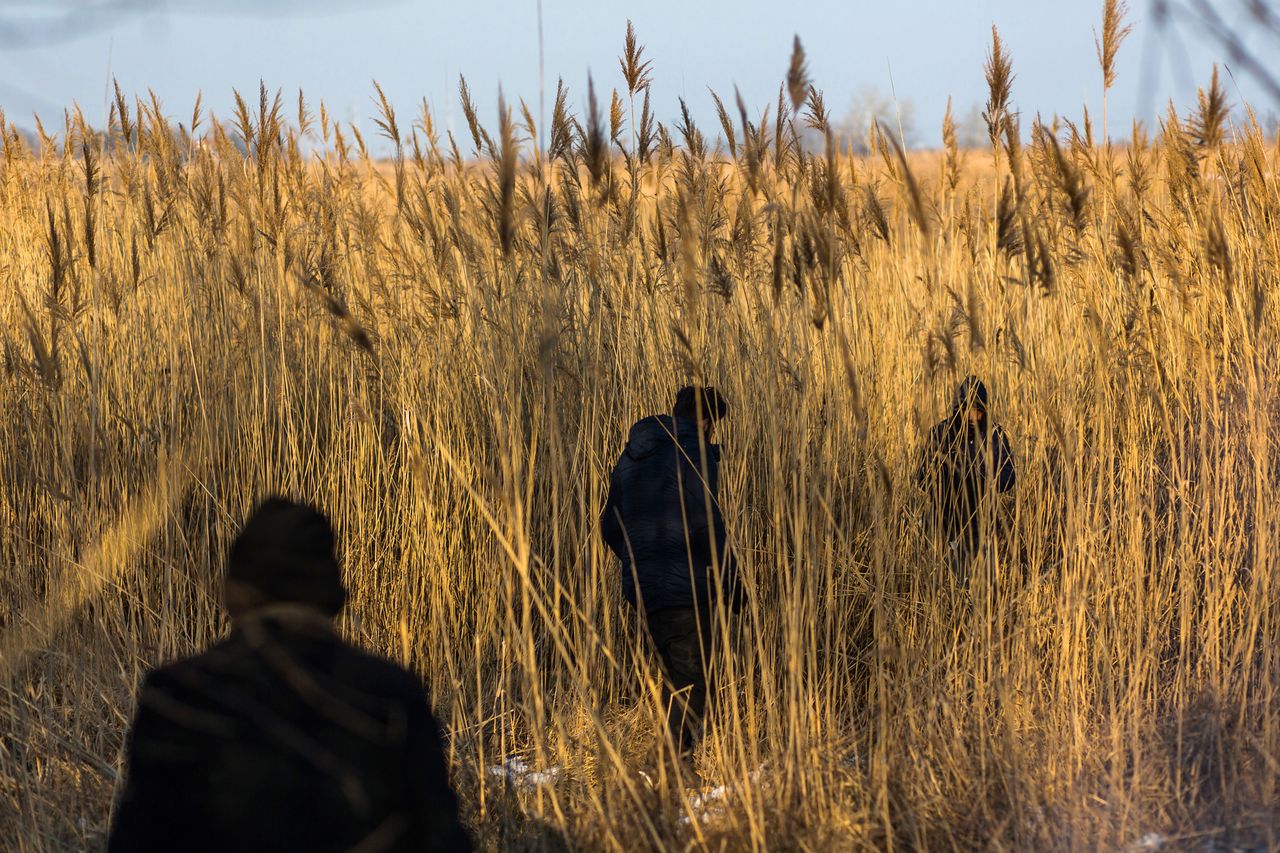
{"points": [[663, 521]]}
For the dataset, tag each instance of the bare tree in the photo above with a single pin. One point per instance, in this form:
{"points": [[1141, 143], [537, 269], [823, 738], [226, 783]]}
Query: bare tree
{"points": [[1226, 24], [971, 128], [869, 107], [63, 20]]}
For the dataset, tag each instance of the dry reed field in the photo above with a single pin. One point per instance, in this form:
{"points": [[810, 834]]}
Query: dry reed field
{"points": [[444, 348]]}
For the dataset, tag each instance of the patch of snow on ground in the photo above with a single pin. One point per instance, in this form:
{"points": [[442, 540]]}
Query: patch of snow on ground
{"points": [[709, 803], [520, 774]]}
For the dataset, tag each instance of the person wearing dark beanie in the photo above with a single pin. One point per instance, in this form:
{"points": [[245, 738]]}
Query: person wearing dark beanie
{"points": [[283, 737]]}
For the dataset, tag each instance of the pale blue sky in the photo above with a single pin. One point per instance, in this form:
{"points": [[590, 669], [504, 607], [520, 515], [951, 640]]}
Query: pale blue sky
{"points": [[333, 48]]}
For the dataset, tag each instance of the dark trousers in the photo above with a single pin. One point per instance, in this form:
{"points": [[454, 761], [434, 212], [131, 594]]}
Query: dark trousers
{"points": [[683, 639]]}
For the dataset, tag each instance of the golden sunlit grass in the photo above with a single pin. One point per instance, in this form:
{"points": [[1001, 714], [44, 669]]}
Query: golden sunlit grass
{"points": [[444, 350]]}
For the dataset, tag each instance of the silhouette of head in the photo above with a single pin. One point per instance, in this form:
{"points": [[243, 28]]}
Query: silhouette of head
{"points": [[284, 553], [971, 400], [694, 403]]}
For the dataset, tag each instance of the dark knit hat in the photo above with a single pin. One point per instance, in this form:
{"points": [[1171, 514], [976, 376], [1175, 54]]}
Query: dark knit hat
{"points": [[286, 552], [714, 405]]}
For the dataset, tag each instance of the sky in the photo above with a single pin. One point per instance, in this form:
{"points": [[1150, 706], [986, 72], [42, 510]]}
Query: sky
{"points": [[57, 52]]}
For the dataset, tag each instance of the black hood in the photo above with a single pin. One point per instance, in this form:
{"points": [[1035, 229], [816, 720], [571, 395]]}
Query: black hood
{"points": [[971, 392], [649, 434]]}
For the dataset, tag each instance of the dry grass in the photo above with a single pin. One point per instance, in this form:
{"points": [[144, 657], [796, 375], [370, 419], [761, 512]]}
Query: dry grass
{"points": [[445, 350]]}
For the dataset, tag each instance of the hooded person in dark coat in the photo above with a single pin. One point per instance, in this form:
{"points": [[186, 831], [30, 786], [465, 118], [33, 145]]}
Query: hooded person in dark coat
{"points": [[663, 521], [283, 737], [965, 457]]}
